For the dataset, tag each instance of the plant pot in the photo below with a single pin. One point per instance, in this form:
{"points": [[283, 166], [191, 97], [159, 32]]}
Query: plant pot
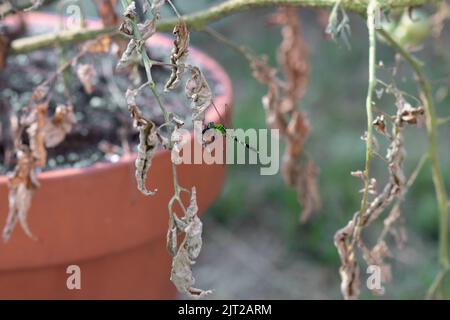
{"points": [[95, 218]]}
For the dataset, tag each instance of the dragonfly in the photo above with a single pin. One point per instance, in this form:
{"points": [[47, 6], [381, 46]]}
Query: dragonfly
{"points": [[221, 129]]}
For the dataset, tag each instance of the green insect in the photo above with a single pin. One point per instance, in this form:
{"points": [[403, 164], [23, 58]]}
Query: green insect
{"points": [[220, 128]]}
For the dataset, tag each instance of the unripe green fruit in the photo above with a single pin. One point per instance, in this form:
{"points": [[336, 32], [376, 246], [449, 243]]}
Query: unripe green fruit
{"points": [[413, 30]]}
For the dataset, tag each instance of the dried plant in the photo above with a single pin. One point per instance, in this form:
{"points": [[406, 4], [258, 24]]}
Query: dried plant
{"points": [[34, 130]]}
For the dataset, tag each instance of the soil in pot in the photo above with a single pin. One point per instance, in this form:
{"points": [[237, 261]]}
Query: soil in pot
{"points": [[104, 129]]}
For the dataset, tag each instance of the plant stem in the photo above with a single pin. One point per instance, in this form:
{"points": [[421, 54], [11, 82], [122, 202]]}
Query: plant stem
{"points": [[438, 180], [198, 20], [369, 100]]}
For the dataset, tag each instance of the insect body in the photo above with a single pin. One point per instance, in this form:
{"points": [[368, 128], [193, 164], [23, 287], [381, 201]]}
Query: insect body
{"points": [[220, 128]]}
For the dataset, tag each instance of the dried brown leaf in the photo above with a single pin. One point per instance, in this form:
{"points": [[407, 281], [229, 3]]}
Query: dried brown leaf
{"points": [[22, 184], [189, 250], [148, 142], [36, 135], [59, 126], [179, 54], [198, 91], [349, 270], [293, 56]]}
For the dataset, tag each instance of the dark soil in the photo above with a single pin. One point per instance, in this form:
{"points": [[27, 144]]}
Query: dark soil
{"points": [[104, 125]]}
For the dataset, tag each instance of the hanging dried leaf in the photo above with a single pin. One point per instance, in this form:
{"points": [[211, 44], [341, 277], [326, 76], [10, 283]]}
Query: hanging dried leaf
{"points": [[36, 135], [179, 54], [189, 250], [56, 129], [148, 142], [293, 56], [147, 29], [198, 91], [22, 184], [131, 54], [86, 74], [349, 270], [412, 115]]}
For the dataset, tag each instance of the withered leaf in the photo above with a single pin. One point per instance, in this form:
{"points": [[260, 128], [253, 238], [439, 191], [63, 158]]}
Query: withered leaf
{"points": [[59, 126], [349, 270], [22, 184], [86, 74], [179, 54], [147, 29], [293, 56], [131, 53], [182, 262], [198, 91], [36, 135], [148, 142]]}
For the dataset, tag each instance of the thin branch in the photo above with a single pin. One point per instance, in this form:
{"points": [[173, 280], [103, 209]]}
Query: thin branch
{"points": [[199, 20], [369, 100]]}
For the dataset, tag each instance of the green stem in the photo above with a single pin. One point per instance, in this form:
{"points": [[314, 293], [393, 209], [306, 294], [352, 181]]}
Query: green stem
{"points": [[199, 20], [369, 101], [438, 180]]}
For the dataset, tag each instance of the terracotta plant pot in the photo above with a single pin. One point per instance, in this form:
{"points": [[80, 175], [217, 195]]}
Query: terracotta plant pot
{"points": [[95, 218]]}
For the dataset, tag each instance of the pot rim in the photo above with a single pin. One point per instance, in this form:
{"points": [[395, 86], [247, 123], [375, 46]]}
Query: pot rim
{"points": [[158, 39]]}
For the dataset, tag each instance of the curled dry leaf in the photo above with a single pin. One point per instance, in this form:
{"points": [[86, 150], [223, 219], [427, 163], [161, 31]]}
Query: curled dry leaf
{"points": [[148, 142], [86, 74], [411, 115], [179, 54], [36, 134], [147, 29], [189, 250], [59, 126], [293, 56], [380, 124], [280, 104], [22, 184], [131, 54], [198, 91], [349, 270]]}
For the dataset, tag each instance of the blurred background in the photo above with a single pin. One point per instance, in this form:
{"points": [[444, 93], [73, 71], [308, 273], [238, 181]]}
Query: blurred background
{"points": [[254, 245]]}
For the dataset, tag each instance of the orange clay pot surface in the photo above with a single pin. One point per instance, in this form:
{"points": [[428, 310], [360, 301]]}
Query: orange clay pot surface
{"points": [[95, 218]]}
